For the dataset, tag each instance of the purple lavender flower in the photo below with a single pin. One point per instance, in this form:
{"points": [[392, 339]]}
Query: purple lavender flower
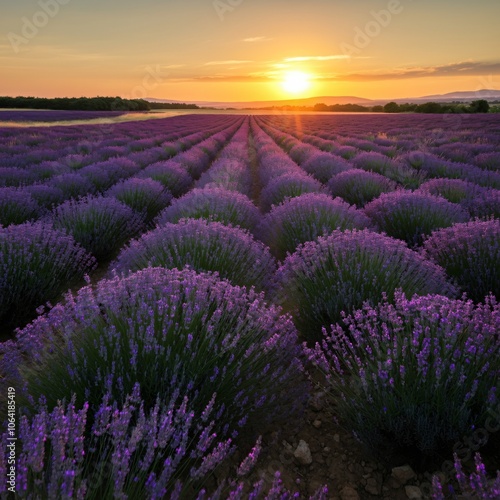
{"points": [[171, 174], [101, 225], [145, 196], [338, 273], [304, 218], [359, 187], [288, 185], [470, 253], [443, 344], [203, 246], [37, 264], [17, 206], [215, 204], [323, 166], [409, 216]]}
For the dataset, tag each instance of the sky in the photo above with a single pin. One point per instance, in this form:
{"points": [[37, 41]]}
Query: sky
{"points": [[246, 50]]}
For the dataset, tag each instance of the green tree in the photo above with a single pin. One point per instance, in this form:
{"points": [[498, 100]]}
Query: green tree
{"points": [[391, 107], [480, 106]]}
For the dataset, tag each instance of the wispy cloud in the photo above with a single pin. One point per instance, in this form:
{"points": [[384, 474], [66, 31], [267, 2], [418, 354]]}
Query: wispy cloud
{"points": [[257, 39], [226, 63], [468, 68], [316, 58]]}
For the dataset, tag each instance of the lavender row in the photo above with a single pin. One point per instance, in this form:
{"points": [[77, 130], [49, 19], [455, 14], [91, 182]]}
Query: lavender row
{"points": [[40, 270]]}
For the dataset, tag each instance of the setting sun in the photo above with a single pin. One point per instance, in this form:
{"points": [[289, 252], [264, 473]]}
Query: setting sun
{"points": [[296, 82]]}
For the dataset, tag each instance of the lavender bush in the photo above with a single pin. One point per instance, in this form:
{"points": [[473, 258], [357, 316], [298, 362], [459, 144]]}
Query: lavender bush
{"points": [[338, 273], [174, 334], [215, 204], [470, 253], [37, 264], [409, 216], [171, 174], [72, 185], [454, 190], [477, 485], [130, 453], [101, 225], [304, 218], [46, 196], [203, 246], [359, 187], [486, 204], [419, 373], [17, 206], [488, 161], [323, 166], [146, 196], [288, 185]]}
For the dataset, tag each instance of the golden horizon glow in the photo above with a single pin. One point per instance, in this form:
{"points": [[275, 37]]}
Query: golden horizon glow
{"points": [[296, 82]]}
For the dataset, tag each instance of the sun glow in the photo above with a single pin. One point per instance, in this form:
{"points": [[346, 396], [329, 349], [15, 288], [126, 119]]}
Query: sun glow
{"points": [[296, 82]]}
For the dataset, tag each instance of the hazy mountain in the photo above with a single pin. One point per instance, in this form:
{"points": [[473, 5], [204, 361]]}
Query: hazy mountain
{"points": [[329, 100]]}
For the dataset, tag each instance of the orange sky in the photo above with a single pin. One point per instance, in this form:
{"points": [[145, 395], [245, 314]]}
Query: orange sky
{"points": [[239, 50]]}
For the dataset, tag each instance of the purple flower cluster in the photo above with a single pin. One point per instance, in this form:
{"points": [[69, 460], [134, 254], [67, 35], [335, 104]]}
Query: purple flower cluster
{"points": [[288, 185], [336, 274], [409, 216], [323, 166], [202, 246], [17, 206], [215, 204], [171, 174], [477, 485], [304, 218], [101, 225], [469, 253], [145, 196], [37, 264], [420, 372], [160, 336], [359, 187]]}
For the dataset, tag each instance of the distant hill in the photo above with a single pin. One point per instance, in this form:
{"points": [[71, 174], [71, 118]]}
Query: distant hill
{"points": [[465, 96]]}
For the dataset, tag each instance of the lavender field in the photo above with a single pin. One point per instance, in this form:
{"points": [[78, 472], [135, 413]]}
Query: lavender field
{"points": [[172, 291]]}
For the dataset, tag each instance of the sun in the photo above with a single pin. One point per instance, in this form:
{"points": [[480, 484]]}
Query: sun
{"points": [[296, 82]]}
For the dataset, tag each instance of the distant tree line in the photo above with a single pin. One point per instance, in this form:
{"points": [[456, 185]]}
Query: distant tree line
{"points": [[479, 106], [88, 104], [171, 105]]}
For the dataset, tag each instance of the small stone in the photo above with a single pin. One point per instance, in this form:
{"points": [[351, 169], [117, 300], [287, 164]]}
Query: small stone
{"points": [[326, 449], [349, 493], [413, 492], [372, 487], [303, 453], [403, 473], [317, 424], [336, 438], [317, 401]]}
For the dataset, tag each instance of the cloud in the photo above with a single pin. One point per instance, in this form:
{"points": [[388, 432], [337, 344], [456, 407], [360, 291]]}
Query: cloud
{"points": [[223, 63], [469, 68], [316, 58], [257, 39]]}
